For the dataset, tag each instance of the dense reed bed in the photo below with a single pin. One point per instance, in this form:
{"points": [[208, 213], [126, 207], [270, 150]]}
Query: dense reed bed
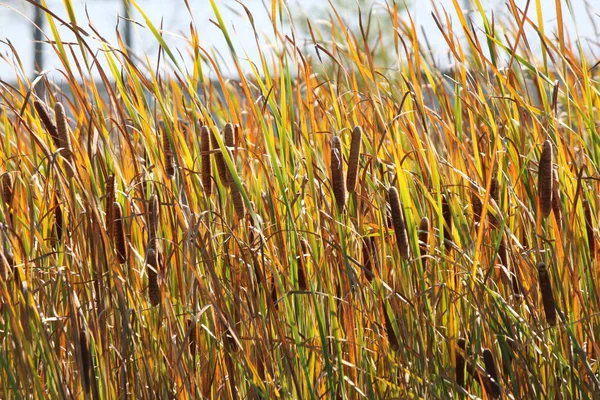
{"points": [[346, 230]]}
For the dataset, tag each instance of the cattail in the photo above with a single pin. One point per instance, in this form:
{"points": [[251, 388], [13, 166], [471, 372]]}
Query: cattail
{"points": [[167, 152], [44, 116], [7, 189], [355, 145], [556, 205], [229, 141], [205, 159], [337, 173], [86, 360], [302, 283], [192, 337], [399, 223], [110, 199], [424, 235], [447, 214], [390, 330], [493, 381], [547, 294], [589, 226], [369, 251], [220, 161], [460, 363], [64, 138], [494, 195], [119, 233], [153, 217], [228, 135], [545, 179], [503, 254], [238, 202], [477, 204], [153, 261]]}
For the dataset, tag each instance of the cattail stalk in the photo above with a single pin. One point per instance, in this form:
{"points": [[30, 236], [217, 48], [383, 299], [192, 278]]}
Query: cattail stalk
{"points": [[205, 159], [119, 233], [545, 179], [399, 223], [353, 160], [337, 173], [547, 294], [46, 119]]}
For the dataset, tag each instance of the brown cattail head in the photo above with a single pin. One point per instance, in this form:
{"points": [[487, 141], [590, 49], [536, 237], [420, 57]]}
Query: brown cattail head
{"points": [[477, 204], [355, 145], [493, 380], [547, 294], [167, 152], [110, 199], [394, 345], [64, 138], [556, 204], [424, 235], [7, 188], [589, 227], [229, 141], [153, 260], [399, 223], [86, 360], [302, 253], [46, 119], [153, 217], [545, 179], [495, 196], [238, 202], [337, 173], [205, 159], [447, 214], [369, 251], [460, 362], [504, 260], [119, 233], [220, 161], [228, 135]]}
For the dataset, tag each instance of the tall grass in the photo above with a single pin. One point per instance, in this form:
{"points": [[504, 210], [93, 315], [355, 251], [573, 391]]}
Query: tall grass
{"points": [[256, 279]]}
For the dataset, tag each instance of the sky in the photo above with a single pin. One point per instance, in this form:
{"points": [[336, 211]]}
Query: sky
{"points": [[16, 27]]}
